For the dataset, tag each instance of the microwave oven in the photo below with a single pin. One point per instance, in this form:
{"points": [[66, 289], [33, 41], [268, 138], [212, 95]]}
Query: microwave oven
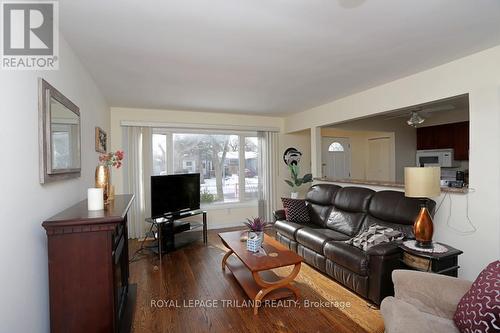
{"points": [[436, 157]]}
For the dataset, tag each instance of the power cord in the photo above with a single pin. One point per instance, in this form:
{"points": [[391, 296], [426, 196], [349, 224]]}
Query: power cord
{"points": [[448, 223]]}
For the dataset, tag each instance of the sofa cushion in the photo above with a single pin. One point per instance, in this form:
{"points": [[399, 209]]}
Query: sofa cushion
{"points": [[394, 207], [400, 316], [353, 199], [348, 223], [479, 308], [375, 235], [314, 239], [319, 200], [295, 210], [347, 256], [287, 228], [318, 213], [349, 211], [322, 194]]}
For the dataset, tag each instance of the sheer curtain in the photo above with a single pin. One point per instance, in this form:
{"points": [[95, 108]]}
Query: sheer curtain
{"points": [[268, 173], [137, 173]]}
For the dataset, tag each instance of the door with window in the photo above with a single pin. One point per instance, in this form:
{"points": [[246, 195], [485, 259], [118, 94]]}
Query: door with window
{"points": [[336, 155]]}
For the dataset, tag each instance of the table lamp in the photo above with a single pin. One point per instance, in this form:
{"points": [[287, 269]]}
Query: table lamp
{"points": [[423, 183]]}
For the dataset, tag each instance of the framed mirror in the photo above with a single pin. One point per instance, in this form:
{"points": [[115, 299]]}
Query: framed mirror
{"points": [[59, 135]]}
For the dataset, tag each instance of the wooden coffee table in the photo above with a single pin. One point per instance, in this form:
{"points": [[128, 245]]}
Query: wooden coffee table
{"points": [[253, 270]]}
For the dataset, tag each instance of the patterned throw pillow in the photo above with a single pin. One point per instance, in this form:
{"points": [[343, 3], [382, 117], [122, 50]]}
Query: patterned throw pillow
{"points": [[479, 308], [295, 210], [375, 234]]}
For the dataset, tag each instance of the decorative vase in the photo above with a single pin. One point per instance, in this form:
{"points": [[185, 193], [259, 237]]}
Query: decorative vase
{"points": [[111, 195], [294, 195], [423, 228], [255, 240], [102, 180]]}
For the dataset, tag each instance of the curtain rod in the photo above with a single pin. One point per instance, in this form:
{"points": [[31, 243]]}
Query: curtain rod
{"points": [[199, 126]]}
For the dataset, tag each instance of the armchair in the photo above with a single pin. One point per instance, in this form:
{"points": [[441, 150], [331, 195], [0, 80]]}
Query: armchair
{"points": [[423, 302]]}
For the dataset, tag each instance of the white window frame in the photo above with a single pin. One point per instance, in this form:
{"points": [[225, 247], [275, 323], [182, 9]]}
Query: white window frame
{"points": [[242, 135]]}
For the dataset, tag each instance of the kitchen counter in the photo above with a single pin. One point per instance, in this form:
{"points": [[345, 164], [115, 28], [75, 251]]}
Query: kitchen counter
{"points": [[462, 190]]}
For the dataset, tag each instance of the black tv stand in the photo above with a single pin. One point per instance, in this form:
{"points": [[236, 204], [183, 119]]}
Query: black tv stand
{"points": [[165, 229]]}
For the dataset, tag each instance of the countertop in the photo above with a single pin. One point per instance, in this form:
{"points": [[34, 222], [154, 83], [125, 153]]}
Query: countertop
{"points": [[462, 190]]}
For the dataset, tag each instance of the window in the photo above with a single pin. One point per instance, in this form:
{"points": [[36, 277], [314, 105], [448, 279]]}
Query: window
{"points": [[159, 154], [336, 146], [251, 168], [227, 163]]}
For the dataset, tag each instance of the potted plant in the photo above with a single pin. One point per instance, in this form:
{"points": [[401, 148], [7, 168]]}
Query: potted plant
{"points": [[255, 233], [295, 181]]}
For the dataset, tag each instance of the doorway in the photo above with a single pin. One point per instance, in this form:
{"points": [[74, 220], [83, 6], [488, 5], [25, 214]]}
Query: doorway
{"points": [[336, 155]]}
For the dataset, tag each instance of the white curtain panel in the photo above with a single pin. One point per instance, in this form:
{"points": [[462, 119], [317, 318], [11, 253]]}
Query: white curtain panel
{"points": [[268, 166], [137, 174]]}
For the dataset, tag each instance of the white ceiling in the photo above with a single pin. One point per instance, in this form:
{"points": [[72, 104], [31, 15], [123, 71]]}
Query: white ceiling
{"points": [[266, 56]]}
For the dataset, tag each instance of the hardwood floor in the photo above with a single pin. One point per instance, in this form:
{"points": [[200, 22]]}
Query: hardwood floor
{"points": [[166, 297]]}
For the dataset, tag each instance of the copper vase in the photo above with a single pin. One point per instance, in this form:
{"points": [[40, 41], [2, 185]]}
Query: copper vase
{"points": [[423, 228], [102, 180]]}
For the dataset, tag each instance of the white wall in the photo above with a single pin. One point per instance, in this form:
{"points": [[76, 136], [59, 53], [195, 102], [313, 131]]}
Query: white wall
{"points": [[479, 76], [24, 305]]}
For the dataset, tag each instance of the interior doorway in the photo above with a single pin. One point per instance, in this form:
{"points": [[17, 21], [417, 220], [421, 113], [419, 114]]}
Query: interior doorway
{"points": [[336, 157]]}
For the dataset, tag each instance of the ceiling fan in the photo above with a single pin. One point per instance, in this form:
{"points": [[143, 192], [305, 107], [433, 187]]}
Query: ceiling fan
{"points": [[418, 115], [415, 119]]}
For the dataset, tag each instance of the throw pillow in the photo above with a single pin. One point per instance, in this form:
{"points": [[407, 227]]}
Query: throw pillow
{"points": [[479, 308], [376, 234], [295, 210]]}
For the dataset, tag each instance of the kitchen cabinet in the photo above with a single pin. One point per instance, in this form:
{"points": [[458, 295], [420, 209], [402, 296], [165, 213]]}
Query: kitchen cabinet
{"points": [[454, 135]]}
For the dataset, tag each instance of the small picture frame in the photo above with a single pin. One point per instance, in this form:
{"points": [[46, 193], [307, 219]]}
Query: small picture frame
{"points": [[101, 140]]}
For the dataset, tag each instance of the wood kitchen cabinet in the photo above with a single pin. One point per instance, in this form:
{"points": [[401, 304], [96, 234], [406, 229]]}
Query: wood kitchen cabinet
{"points": [[454, 135]]}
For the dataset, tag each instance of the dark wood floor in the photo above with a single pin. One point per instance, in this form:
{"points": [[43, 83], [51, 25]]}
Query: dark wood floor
{"points": [[166, 294]]}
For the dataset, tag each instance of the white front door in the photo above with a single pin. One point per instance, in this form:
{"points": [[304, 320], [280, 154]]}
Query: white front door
{"points": [[336, 156]]}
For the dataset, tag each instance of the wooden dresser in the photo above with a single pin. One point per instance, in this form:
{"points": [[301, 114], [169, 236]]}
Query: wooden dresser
{"points": [[88, 269]]}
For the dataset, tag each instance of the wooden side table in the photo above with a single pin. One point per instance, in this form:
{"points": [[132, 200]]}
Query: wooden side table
{"points": [[445, 263]]}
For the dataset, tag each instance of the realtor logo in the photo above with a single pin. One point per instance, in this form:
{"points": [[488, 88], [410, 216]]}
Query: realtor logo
{"points": [[30, 35]]}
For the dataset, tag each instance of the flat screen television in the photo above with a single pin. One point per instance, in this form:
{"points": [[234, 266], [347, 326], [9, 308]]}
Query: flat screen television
{"points": [[173, 194]]}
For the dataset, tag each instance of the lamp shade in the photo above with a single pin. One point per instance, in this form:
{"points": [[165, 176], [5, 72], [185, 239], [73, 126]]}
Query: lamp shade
{"points": [[422, 182]]}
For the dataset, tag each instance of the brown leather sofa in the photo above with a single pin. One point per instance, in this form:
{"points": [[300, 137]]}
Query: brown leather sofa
{"points": [[338, 214]]}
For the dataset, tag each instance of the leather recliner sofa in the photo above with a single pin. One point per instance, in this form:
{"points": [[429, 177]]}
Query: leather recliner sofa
{"points": [[340, 213]]}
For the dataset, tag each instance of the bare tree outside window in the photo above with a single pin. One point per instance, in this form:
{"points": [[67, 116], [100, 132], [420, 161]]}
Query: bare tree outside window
{"points": [[216, 157]]}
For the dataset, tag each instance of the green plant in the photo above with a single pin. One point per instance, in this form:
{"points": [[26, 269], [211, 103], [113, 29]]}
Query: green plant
{"points": [[295, 181], [207, 197]]}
